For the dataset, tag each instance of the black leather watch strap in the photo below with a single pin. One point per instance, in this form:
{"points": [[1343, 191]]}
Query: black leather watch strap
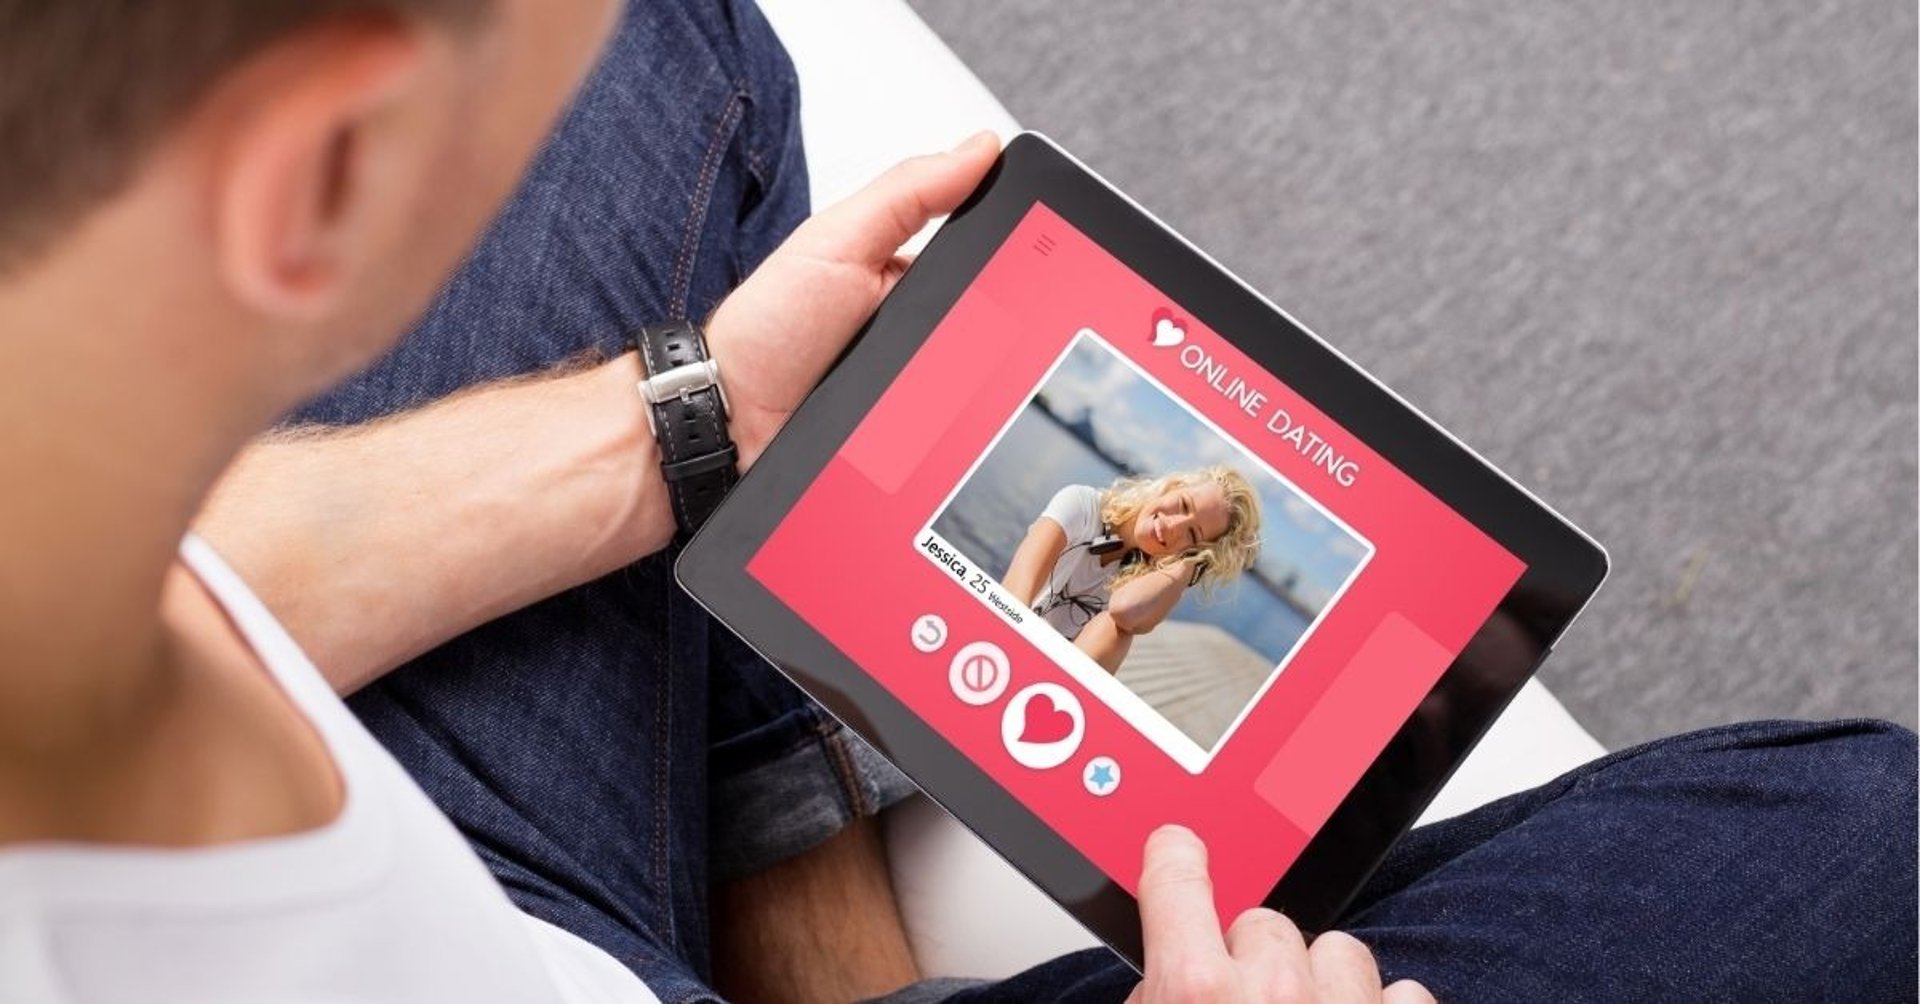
{"points": [[688, 412]]}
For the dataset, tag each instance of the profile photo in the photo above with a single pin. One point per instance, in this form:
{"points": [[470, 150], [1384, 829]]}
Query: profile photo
{"points": [[1169, 556]]}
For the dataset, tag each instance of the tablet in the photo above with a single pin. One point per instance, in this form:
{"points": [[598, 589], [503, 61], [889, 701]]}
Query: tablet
{"points": [[1087, 536]]}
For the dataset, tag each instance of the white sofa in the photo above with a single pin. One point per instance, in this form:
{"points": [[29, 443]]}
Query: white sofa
{"points": [[877, 85]]}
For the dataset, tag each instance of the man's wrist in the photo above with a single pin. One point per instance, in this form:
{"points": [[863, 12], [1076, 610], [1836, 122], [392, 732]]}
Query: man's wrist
{"points": [[747, 424], [620, 444]]}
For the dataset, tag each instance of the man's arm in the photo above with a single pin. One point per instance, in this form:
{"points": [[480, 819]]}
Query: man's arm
{"points": [[375, 544]]}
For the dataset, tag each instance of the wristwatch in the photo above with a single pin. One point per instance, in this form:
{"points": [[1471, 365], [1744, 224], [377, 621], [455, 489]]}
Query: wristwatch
{"points": [[687, 411]]}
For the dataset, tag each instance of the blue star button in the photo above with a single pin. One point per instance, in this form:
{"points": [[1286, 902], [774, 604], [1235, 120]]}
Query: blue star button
{"points": [[1101, 776]]}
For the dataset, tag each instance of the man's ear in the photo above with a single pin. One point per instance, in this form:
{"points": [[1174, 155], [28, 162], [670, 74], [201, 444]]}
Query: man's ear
{"points": [[320, 161]]}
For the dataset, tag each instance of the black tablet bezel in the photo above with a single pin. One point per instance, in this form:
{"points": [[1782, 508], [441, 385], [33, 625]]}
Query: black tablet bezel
{"points": [[1564, 566]]}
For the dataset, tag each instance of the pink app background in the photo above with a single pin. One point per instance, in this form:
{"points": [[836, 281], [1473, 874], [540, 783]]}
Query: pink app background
{"points": [[845, 561]]}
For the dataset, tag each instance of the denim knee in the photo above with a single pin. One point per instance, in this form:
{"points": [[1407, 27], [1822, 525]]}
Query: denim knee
{"points": [[1866, 776]]}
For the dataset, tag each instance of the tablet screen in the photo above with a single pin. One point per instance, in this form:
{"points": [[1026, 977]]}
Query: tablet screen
{"points": [[1132, 576]]}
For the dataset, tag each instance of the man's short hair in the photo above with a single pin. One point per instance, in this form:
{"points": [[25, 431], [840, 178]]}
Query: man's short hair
{"points": [[88, 86]]}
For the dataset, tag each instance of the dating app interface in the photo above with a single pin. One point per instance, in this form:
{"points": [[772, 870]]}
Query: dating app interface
{"points": [[1132, 576]]}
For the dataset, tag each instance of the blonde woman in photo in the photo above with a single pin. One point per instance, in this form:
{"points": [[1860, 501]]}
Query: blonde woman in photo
{"points": [[1105, 565]]}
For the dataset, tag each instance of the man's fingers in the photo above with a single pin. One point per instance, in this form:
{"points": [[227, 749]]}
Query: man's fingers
{"points": [[1181, 928], [1343, 970], [1407, 992], [1271, 949], [1263, 954], [868, 226], [893, 270]]}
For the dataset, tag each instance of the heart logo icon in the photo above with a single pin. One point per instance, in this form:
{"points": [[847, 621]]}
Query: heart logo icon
{"points": [[1168, 330], [1042, 726], [1045, 723]]}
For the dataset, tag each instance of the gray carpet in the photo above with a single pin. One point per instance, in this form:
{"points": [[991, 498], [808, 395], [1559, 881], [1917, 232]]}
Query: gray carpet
{"points": [[1657, 260]]}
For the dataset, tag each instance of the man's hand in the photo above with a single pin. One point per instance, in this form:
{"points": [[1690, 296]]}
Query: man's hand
{"points": [[1262, 957], [775, 335]]}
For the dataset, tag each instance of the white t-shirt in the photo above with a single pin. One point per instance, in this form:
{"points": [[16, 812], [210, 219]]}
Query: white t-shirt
{"points": [[1077, 587], [387, 903]]}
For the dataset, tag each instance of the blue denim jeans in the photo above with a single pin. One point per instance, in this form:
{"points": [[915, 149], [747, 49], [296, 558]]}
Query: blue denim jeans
{"points": [[1770, 861], [610, 753]]}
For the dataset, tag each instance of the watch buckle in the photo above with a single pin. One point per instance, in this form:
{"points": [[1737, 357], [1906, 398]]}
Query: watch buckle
{"points": [[683, 382]]}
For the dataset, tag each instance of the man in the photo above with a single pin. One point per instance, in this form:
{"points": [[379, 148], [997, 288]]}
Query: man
{"points": [[212, 210]]}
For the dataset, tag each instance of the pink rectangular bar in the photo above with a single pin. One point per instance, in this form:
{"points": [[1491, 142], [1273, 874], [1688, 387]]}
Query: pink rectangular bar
{"points": [[1323, 759]]}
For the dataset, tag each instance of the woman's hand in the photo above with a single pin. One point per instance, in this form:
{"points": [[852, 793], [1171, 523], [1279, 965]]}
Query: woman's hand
{"points": [[1262, 957], [775, 335]]}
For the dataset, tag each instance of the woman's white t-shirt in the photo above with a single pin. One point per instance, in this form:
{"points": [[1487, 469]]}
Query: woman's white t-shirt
{"points": [[387, 903], [1078, 586]]}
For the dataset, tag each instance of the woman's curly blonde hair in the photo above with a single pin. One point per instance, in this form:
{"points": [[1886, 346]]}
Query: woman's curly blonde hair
{"points": [[1222, 559]]}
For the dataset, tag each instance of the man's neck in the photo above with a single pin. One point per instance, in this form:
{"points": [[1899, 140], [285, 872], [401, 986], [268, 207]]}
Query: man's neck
{"points": [[110, 435]]}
